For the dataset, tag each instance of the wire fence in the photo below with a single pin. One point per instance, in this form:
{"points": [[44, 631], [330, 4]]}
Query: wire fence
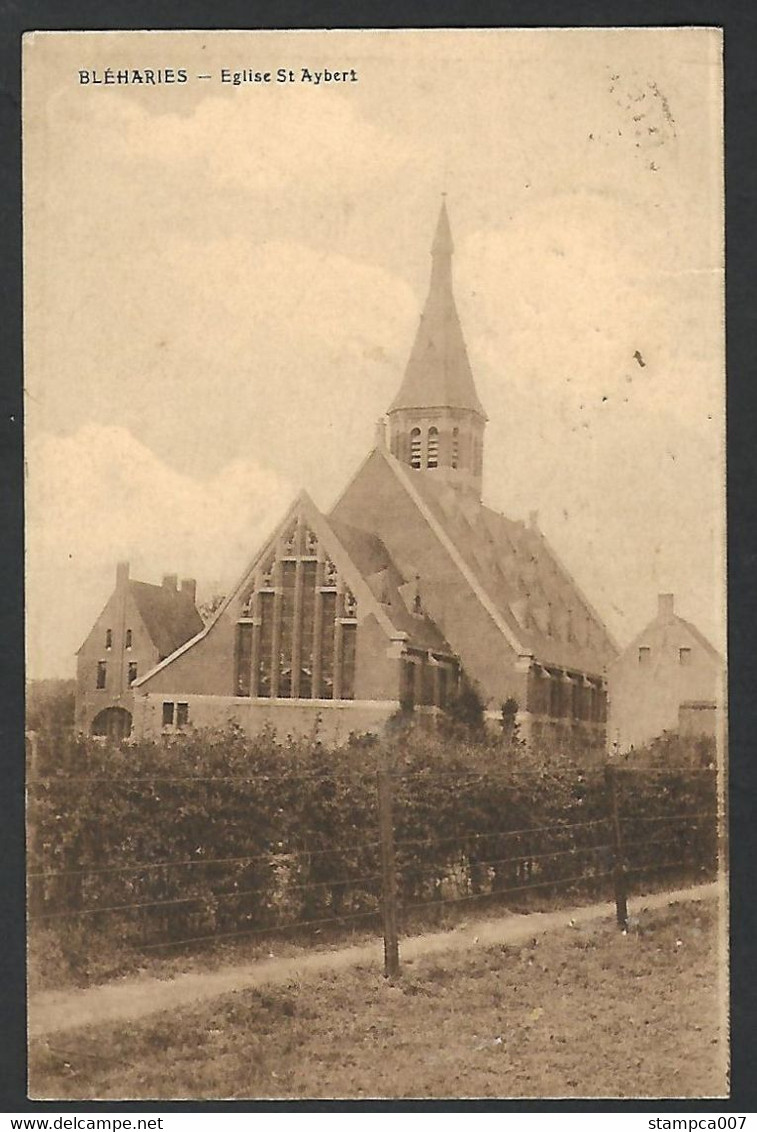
{"points": [[154, 862]]}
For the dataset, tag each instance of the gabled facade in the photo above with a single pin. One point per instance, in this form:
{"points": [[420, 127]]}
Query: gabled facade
{"points": [[669, 679], [408, 583], [320, 625], [140, 625]]}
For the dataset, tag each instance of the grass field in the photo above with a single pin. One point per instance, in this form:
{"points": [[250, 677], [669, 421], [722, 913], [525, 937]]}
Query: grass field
{"points": [[580, 1012]]}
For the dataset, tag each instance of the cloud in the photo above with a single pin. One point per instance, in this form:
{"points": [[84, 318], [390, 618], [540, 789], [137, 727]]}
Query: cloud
{"points": [[100, 496], [278, 349], [233, 139]]}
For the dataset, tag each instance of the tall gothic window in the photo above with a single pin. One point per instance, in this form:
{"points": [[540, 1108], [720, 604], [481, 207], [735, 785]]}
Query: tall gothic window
{"points": [[415, 448], [432, 458], [555, 695], [243, 659], [575, 697], [296, 638], [455, 447]]}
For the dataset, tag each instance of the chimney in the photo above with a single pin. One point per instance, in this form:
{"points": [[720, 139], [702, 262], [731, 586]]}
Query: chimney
{"points": [[665, 606], [189, 587], [380, 435], [122, 575], [169, 582], [533, 520]]}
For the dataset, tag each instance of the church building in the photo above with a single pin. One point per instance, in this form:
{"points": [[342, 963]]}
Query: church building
{"points": [[408, 586]]}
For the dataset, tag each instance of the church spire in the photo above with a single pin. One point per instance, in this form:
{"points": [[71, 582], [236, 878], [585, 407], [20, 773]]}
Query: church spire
{"points": [[443, 245], [436, 421], [438, 373]]}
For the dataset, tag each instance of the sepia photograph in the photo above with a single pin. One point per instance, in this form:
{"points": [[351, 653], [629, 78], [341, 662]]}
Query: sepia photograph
{"points": [[376, 736]]}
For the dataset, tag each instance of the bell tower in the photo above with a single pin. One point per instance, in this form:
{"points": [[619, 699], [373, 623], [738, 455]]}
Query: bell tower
{"points": [[436, 421]]}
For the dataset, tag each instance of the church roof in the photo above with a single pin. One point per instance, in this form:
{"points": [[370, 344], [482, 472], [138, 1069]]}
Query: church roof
{"points": [[508, 565], [169, 616], [365, 563], [390, 586], [515, 566], [438, 374]]}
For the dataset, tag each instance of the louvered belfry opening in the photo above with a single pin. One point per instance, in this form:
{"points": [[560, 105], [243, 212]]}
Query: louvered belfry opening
{"points": [[296, 637]]}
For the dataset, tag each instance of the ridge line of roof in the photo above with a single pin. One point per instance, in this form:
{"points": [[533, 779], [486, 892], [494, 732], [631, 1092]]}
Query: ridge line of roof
{"points": [[638, 637], [572, 581], [318, 519], [700, 637], [224, 604], [455, 554]]}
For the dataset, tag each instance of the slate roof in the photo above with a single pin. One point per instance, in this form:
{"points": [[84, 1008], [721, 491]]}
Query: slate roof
{"points": [[510, 566], [170, 616], [389, 586], [516, 568], [438, 374]]}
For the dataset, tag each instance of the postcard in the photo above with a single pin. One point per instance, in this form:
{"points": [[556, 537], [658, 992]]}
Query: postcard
{"points": [[375, 419]]}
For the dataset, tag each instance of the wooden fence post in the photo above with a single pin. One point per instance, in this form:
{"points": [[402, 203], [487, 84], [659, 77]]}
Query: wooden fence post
{"points": [[388, 872], [619, 869]]}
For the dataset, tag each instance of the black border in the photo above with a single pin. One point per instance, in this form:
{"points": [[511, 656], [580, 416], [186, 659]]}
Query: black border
{"points": [[739, 20]]}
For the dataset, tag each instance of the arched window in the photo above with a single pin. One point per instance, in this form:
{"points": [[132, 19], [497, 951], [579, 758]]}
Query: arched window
{"points": [[300, 641], [115, 722], [432, 458], [415, 448], [455, 447]]}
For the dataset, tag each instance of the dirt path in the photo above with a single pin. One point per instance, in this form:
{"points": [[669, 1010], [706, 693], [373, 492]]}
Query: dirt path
{"points": [[128, 1000]]}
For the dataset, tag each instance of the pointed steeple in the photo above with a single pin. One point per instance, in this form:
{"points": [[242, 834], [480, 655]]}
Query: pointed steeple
{"points": [[438, 374], [436, 421], [443, 245]]}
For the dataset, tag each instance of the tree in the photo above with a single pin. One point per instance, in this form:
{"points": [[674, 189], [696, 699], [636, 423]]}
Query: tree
{"points": [[466, 708], [50, 705], [508, 720]]}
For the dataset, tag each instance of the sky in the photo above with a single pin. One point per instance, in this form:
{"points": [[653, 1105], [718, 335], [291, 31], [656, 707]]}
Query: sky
{"points": [[222, 285]]}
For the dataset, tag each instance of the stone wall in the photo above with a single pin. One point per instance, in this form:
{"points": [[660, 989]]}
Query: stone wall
{"points": [[335, 721]]}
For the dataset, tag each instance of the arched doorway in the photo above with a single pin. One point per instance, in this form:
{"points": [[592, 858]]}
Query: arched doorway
{"points": [[113, 723]]}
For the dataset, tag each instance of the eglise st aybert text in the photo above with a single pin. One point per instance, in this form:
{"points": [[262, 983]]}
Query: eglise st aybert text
{"points": [[160, 76]]}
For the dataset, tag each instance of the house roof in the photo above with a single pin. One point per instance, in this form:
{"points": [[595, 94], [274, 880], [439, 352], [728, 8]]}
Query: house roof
{"points": [[700, 638], [510, 567], [169, 616], [659, 625], [438, 373]]}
